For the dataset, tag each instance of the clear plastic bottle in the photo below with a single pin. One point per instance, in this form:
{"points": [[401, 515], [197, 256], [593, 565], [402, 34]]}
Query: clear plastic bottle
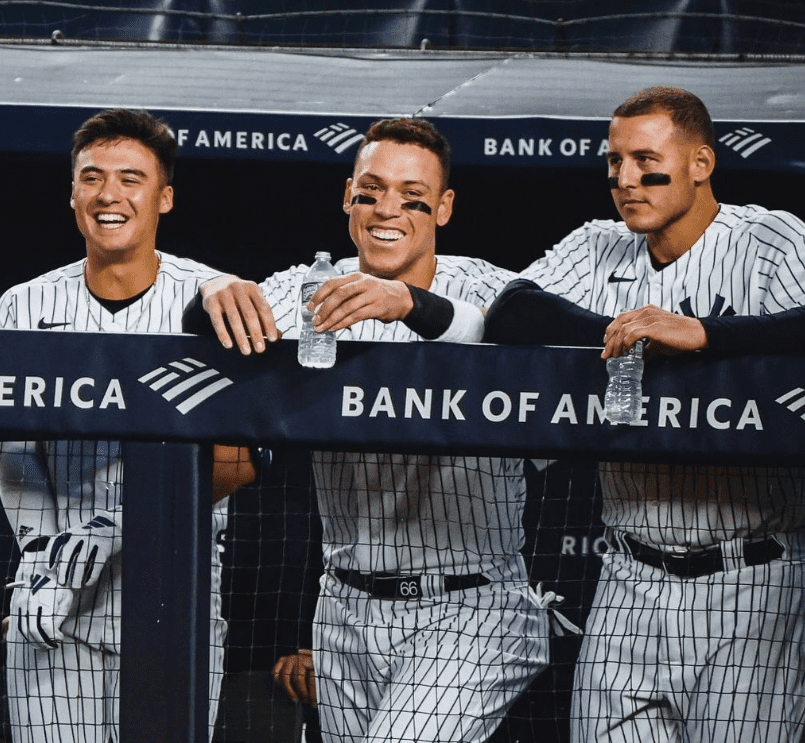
{"points": [[624, 394], [316, 350]]}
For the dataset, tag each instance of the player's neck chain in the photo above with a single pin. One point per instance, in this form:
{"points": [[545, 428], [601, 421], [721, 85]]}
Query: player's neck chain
{"points": [[97, 321]]}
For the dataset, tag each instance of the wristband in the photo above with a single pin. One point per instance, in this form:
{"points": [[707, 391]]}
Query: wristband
{"points": [[431, 315]]}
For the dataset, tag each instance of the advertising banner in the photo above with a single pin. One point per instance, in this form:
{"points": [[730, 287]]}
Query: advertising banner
{"points": [[314, 138], [420, 397]]}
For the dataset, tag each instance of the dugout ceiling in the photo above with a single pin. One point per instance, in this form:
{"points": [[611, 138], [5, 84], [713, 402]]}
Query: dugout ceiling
{"points": [[309, 106]]}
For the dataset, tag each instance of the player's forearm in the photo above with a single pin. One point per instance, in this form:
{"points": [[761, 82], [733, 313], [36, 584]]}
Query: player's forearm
{"points": [[526, 314], [780, 332]]}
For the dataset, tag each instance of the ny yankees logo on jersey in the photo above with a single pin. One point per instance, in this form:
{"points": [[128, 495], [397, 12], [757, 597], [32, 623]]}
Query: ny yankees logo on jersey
{"points": [[715, 311]]}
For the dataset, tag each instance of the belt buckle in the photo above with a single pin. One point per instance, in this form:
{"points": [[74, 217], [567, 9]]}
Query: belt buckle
{"points": [[673, 563]]}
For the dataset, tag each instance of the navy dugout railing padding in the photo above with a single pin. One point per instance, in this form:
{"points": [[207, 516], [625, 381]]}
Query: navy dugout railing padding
{"points": [[430, 397], [164, 674], [426, 397]]}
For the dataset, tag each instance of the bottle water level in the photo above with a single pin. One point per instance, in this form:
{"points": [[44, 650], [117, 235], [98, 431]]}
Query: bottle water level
{"points": [[316, 350], [623, 398]]}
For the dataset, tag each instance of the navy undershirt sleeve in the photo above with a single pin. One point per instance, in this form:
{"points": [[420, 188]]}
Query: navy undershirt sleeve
{"points": [[781, 332], [525, 314]]}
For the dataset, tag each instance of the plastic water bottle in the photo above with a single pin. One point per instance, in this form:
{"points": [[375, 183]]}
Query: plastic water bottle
{"points": [[316, 350], [624, 394]]}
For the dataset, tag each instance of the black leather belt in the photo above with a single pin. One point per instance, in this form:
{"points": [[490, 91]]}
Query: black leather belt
{"points": [[390, 586], [703, 562]]}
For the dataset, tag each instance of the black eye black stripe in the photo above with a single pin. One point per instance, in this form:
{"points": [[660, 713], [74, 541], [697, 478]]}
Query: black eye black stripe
{"points": [[648, 179], [416, 206]]}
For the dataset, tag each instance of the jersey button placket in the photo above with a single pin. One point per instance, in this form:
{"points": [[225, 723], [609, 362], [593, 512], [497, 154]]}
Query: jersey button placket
{"points": [[654, 290]]}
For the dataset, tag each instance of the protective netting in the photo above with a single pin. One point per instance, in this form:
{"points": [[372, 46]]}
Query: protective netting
{"points": [[451, 589], [735, 27]]}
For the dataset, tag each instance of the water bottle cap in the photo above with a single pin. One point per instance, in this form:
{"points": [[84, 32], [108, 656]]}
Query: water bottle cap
{"points": [[322, 255]]}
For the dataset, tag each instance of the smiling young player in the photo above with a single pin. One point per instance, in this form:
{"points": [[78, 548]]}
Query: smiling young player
{"points": [[696, 630], [63, 498], [426, 627]]}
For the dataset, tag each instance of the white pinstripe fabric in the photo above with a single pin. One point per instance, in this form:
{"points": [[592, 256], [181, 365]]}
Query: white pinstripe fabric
{"points": [[750, 260], [714, 658], [750, 256], [71, 694], [717, 658], [439, 669], [444, 668]]}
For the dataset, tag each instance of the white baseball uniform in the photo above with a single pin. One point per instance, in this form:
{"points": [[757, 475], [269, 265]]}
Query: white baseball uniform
{"points": [[444, 666], [714, 657], [71, 693]]}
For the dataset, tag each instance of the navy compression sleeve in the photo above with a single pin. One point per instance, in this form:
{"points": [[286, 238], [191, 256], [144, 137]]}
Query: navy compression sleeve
{"points": [[525, 314], [781, 332]]}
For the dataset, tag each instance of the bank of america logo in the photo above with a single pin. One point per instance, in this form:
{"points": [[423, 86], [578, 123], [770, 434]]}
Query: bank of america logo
{"points": [[745, 141], [189, 381], [794, 400], [339, 136]]}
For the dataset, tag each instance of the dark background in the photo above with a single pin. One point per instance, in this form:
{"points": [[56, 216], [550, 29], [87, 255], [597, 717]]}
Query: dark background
{"points": [[254, 218]]}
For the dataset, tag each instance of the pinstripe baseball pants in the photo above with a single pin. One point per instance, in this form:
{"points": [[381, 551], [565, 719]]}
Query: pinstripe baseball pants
{"points": [[436, 669]]}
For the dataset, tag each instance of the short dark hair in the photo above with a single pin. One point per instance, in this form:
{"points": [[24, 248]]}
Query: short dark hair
{"points": [[113, 124], [411, 131], [685, 109]]}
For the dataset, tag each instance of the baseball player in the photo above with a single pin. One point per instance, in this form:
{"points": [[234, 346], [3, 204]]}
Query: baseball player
{"points": [[426, 628], [696, 629], [63, 498]]}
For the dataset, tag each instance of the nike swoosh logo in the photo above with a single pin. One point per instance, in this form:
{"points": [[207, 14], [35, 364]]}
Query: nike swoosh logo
{"points": [[617, 279], [42, 325]]}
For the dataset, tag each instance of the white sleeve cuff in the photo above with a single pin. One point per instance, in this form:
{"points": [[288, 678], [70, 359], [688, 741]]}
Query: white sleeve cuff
{"points": [[467, 325]]}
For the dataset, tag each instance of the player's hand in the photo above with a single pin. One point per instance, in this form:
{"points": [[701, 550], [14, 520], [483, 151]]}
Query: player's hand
{"points": [[669, 333], [78, 556], [346, 300], [232, 468], [294, 674], [239, 313], [39, 604]]}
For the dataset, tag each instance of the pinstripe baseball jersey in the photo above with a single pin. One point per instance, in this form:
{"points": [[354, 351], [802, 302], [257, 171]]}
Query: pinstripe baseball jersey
{"points": [[748, 261], [406, 513], [82, 478]]}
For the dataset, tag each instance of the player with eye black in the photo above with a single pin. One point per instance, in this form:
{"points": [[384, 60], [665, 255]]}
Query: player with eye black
{"points": [[696, 630], [426, 627]]}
